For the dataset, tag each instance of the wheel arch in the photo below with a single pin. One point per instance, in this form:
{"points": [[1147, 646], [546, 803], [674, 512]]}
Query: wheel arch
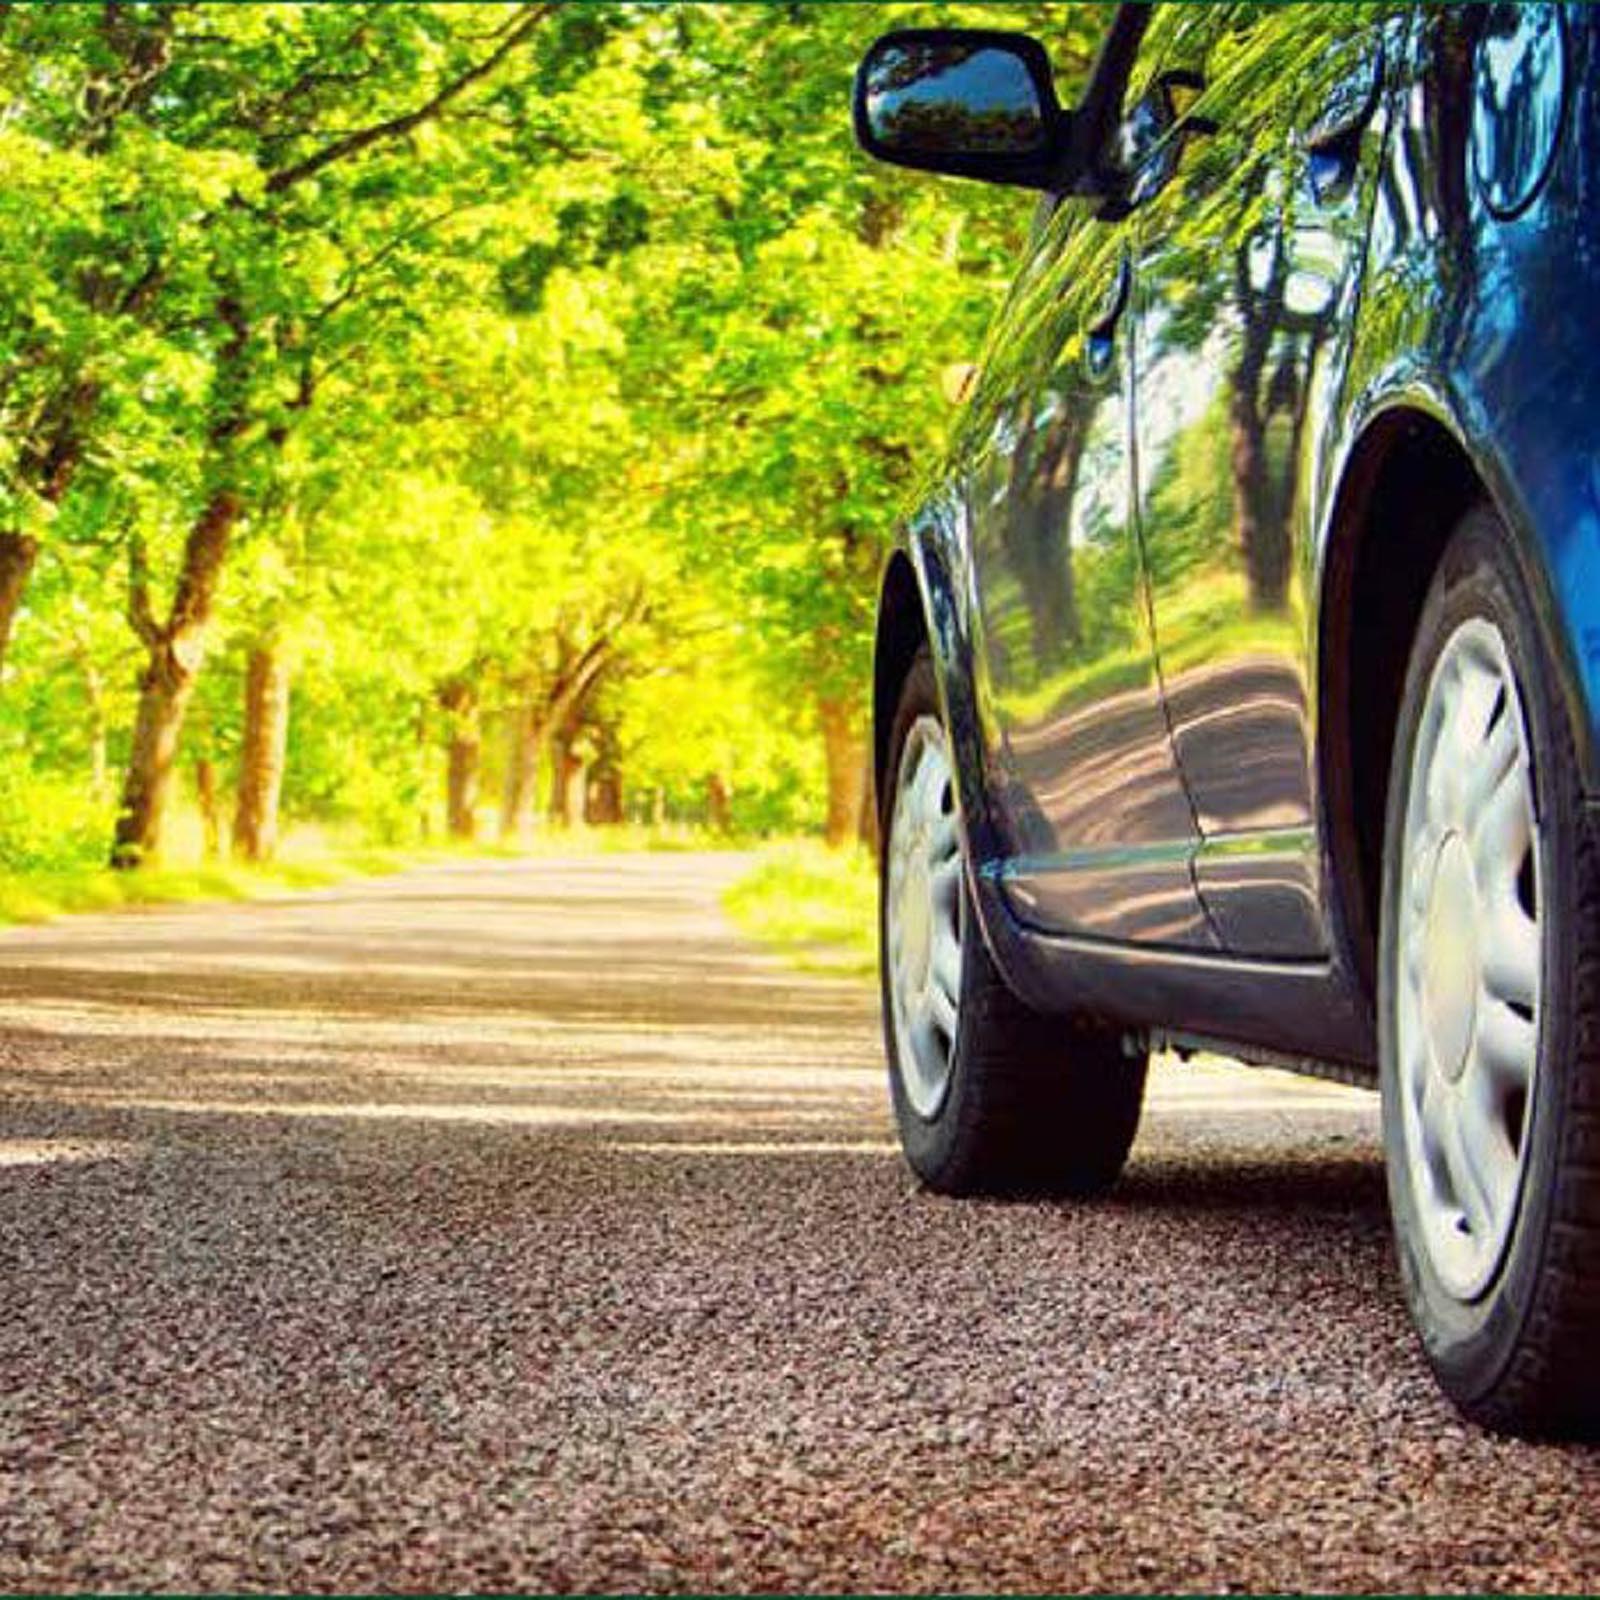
{"points": [[1406, 483], [902, 630]]}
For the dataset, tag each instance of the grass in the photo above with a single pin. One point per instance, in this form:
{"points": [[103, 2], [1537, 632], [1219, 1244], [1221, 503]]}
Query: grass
{"points": [[39, 896], [310, 859], [815, 906]]}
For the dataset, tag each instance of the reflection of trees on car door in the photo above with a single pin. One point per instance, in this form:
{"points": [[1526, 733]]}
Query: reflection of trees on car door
{"points": [[1251, 217], [1100, 830], [1035, 534]]}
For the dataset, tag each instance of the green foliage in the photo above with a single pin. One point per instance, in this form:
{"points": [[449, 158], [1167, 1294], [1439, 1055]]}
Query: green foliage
{"points": [[817, 907], [47, 822], [567, 366]]}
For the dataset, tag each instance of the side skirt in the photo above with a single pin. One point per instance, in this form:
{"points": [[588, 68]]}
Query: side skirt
{"points": [[1306, 1015]]}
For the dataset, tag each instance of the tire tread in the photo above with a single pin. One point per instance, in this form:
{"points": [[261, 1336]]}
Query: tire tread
{"points": [[1521, 1359], [1552, 1387], [1039, 1103]]}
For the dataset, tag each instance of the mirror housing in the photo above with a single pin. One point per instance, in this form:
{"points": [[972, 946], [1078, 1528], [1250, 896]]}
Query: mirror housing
{"points": [[968, 102]]}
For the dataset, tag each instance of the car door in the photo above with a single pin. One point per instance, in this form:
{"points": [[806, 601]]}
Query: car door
{"points": [[1247, 264], [1098, 827]]}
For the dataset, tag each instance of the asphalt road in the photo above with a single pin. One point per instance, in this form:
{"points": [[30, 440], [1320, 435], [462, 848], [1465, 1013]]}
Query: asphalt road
{"points": [[518, 1226]]}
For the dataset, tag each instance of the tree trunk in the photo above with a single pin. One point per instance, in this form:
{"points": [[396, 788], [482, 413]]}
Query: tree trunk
{"points": [[175, 649], [466, 752], [1263, 533], [569, 781], [554, 714], [165, 686], [717, 798], [1261, 520], [422, 731], [459, 698], [867, 816], [265, 750], [1037, 532], [205, 782], [842, 745], [525, 737], [174, 654], [603, 803], [17, 556], [574, 806]]}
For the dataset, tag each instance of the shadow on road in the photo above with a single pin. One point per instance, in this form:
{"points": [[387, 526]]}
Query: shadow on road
{"points": [[1341, 1188], [520, 1228]]}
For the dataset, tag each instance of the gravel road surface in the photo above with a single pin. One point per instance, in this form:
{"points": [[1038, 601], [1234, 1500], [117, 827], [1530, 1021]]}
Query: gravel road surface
{"points": [[516, 1225]]}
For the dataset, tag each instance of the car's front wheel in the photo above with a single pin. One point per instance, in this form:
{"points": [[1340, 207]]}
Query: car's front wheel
{"points": [[990, 1096], [1489, 1007]]}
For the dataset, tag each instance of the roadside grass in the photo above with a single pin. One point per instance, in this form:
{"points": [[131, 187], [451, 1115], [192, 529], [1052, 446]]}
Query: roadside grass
{"points": [[37, 896], [309, 860], [617, 838], [816, 907]]}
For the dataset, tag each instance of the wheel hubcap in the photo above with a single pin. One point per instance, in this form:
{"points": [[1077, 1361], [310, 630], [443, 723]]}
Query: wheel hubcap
{"points": [[1450, 964], [1469, 952], [924, 916]]}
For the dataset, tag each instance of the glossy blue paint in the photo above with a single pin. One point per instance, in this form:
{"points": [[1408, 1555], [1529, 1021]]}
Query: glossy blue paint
{"points": [[1519, 97], [1490, 325], [1362, 250]]}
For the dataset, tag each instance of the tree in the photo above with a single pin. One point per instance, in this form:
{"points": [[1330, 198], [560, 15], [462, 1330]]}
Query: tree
{"points": [[338, 349], [79, 208], [806, 357]]}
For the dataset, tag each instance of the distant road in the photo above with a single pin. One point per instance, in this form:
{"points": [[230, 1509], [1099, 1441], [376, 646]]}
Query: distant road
{"points": [[517, 1225]]}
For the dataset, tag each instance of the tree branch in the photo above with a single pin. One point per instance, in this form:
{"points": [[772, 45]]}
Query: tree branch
{"points": [[571, 685], [315, 74], [141, 615], [396, 127], [378, 257]]}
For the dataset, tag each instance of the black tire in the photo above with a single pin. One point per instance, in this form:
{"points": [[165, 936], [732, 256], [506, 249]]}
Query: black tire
{"points": [[1036, 1103], [1517, 1353]]}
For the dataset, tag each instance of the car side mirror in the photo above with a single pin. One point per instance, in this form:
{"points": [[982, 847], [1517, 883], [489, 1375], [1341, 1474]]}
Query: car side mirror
{"points": [[970, 102]]}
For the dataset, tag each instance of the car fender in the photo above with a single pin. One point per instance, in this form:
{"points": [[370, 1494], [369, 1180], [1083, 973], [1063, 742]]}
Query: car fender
{"points": [[933, 546]]}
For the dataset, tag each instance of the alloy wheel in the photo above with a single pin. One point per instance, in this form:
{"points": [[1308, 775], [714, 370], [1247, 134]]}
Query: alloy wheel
{"points": [[925, 917], [1469, 959]]}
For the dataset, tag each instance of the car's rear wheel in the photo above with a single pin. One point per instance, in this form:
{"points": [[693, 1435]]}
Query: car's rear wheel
{"points": [[990, 1096], [1489, 1006]]}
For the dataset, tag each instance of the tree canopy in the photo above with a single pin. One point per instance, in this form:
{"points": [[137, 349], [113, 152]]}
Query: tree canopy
{"points": [[422, 416]]}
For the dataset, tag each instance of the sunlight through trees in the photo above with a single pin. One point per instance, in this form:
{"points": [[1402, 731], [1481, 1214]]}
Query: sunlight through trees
{"points": [[422, 418]]}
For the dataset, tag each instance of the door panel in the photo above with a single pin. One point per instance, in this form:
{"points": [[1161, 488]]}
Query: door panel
{"points": [[1099, 829], [1247, 264]]}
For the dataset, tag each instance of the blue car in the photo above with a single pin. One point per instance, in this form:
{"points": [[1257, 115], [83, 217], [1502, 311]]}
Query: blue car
{"points": [[1237, 673]]}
